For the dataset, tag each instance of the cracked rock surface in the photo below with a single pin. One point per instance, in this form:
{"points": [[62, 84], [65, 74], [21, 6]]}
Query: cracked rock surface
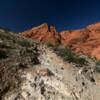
{"points": [[32, 71], [48, 81]]}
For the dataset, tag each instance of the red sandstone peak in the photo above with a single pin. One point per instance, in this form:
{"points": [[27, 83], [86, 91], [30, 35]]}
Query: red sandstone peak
{"points": [[94, 26], [43, 28], [85, 41], [43, 33]]}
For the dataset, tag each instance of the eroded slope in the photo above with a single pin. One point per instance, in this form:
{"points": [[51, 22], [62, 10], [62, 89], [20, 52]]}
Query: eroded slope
{"points": [[32, 71]]}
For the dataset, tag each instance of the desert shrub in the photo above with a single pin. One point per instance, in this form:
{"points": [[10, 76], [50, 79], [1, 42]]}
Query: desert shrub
{"points": [[68, 55], [22, 41], [98, 62], [3, 54], [6, 36], [16, 38], [49, 44], [97, 68], [26, 42]]}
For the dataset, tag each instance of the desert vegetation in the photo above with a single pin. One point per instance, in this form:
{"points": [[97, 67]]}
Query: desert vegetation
{"points": [[97, 68], [68, 55]]}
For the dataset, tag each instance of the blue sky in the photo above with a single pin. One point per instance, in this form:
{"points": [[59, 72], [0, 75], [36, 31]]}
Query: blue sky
{"points": [[20, 15]]}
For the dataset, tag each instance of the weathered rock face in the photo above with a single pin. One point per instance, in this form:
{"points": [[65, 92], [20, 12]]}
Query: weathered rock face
{"points": [[85, 41], [48, 81], [96, 52], [43, 33]]}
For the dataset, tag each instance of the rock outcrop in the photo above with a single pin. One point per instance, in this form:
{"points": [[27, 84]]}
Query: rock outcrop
{"points": [[43, 33], [85, 41]]}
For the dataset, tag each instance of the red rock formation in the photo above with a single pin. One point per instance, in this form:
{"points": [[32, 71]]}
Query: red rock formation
{"points": [[42, 33], [85, 41]]}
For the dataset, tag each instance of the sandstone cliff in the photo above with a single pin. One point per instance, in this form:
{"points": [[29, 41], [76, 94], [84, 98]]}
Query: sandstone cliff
{"points": [[43, 33]]}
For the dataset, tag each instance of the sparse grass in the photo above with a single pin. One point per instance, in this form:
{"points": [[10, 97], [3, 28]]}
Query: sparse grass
{"points": [[25, 42], [97, 68], [10, 42], [22, 41], [68, 55], [98, 62], [49, 44], [16, 39]]}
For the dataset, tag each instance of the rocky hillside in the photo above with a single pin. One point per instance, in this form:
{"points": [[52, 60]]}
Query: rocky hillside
{"points": [[30, 70], [83, 41]]}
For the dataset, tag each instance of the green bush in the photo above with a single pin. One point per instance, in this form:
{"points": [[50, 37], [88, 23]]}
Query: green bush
{"points": [[6, 36], [68, 55], [98, 62], [49, 44], [26, 42], [97, 68], [3, 54]]}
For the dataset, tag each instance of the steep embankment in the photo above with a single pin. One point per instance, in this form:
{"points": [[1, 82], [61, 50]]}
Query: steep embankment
{"points": [[54, 79], [32, 71]]}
